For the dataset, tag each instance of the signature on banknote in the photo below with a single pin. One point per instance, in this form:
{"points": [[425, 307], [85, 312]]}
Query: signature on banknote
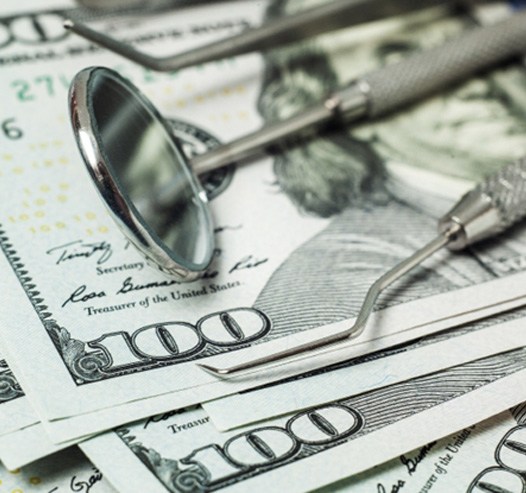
{"points": [[79, 249], [82, 486]]}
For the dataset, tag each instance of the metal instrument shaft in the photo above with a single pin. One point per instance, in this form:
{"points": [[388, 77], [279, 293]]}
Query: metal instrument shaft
{"points": [[490, 208], [327, 17], [386, 89]]}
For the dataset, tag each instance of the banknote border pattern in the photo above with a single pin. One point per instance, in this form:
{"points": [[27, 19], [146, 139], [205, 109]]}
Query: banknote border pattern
{"points": [[9, 387], [464, 379], [86, 367]]}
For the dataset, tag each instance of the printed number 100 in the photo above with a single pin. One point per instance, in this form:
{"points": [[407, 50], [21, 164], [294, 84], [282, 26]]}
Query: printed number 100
{"points": [[172, 341]]}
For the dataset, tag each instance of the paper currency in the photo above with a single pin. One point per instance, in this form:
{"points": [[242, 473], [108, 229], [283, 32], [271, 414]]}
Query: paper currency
{"points": [[78, 427], [308, 449], [484, 457], [427, 355], [453, 347], [22, 446], [96, 305], [23, 439]]}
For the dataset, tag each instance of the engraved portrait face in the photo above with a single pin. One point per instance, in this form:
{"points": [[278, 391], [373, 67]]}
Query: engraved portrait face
{"points": [[465, 132]]}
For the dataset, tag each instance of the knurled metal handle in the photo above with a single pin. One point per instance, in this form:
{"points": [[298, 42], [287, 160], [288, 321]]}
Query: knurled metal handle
{"points": [[421, 75], [491, 207], [507, 191]]}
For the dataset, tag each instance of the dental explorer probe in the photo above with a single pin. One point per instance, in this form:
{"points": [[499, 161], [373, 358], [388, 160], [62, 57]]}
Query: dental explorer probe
{"points": [[330, 16], [491, 207]]}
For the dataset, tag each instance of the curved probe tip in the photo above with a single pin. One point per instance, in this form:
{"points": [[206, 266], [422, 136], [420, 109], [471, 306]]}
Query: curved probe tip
{"points": [[213, 370]]}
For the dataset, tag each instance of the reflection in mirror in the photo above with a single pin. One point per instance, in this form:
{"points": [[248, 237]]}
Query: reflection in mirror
{"points": [[144, 175]]}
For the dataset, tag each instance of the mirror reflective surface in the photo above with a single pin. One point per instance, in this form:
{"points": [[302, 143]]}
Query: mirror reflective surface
{"points": [[141, 172]]}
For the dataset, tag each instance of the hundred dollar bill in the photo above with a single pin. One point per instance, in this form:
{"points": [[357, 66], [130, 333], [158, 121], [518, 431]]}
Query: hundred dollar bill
{"points": [[103, 331], [448, 348], [486, 457], [29, 441], [18, 448], [77, 427], [181, 451], [22, 446], [381, 369]]}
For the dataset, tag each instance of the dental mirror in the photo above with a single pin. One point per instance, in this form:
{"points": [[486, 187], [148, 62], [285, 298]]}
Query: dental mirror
{"points": [[141, 173]]}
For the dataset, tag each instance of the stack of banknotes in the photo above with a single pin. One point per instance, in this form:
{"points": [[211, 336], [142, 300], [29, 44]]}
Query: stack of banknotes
{"points": [[99, 351]]}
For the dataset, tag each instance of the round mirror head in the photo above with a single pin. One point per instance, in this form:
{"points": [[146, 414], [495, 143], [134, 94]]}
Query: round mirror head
{"points": [[141, 173]]}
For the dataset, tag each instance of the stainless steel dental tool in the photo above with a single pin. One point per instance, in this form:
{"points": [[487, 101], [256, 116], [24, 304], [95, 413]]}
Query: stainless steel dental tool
{"points": [[490, 208], [149, 185], [327, 17]]}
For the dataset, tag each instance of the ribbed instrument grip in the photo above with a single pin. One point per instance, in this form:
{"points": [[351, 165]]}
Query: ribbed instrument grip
{"points": [[507, 191], [489, 208], [420, 75]]}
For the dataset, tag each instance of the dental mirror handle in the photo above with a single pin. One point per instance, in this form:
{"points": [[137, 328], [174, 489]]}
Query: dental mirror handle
{"points": [[389, 88], [490, 208]]}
